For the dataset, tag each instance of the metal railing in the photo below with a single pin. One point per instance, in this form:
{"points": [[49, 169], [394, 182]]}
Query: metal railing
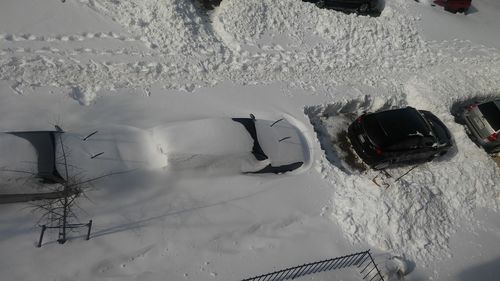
{"points": [[363, 260]]}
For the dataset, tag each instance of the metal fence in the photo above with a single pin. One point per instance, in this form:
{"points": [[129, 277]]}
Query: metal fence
{"points": [[363, 260]]}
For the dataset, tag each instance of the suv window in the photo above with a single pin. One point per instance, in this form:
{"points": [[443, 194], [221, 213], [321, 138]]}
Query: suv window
{"points": [[491, 113]]}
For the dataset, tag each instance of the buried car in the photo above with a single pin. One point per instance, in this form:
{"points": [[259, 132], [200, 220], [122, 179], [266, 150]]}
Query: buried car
{"points": [[483, 123], [355, 6], [242, 145], [404, 135]]}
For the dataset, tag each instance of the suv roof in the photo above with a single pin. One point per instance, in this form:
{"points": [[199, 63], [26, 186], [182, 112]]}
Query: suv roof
{"points": [[387, 127]]}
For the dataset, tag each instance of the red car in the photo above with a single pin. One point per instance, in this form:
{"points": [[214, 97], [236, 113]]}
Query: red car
{"points": [[454, 6]]}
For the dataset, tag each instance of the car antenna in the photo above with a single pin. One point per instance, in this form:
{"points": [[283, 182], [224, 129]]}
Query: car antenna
{"points": [[285, 138], [91, 134], [281, 119]]}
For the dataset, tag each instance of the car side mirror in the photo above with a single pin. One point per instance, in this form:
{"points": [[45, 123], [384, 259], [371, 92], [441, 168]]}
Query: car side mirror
{"points": [[252, 116]]}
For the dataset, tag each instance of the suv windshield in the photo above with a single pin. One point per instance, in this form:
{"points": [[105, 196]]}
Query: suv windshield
{"points": [[491, 113]]}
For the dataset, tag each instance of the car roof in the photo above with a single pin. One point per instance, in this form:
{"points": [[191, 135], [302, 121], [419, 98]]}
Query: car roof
{"points": [[388, 127]]}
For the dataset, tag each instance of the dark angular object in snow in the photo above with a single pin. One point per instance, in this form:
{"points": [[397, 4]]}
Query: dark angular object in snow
{"points": [[362, 7], [397, 136]]}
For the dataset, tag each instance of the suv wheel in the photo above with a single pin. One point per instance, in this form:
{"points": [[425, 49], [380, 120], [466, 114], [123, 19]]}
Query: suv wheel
{"points": [[363, 8]]}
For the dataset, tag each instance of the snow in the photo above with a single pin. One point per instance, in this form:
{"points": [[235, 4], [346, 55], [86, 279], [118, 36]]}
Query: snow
{"points": [[125, 67]]}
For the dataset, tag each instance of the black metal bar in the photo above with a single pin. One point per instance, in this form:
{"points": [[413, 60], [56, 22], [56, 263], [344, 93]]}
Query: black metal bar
{"points": [[361, 258], [317, 266], [347, 260], [374, 276], [341, 265], [351, 261], [302, 268], [265, 277], [281, 274], [357, 259], [325, 265], [365, 267], [376, 267], [334, 264], [293, 271], [41, 236], [310, 268], [365, 258], [90, 228], [368, 273]]}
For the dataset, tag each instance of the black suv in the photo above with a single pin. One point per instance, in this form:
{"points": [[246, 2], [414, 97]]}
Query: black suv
{"points": [[355, 6], [404, 135]]}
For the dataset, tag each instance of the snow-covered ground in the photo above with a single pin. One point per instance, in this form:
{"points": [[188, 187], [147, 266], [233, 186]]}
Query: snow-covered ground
{"points": [[124, 67]]}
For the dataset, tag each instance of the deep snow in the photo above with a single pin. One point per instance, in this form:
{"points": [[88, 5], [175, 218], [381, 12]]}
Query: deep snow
{"points": [[99, 65]]}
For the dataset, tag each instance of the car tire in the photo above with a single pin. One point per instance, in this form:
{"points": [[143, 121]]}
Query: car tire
{"points": [[363, 9], [320, 4], [438, 155]]}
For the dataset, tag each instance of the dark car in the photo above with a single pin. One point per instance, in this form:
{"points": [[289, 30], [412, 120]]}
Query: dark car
{"points": [[404, 135], [356, 6], [457, 6]]}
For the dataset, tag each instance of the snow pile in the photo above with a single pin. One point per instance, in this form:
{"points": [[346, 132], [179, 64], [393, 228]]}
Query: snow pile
{"points": [[173, 27], [416, 215]]}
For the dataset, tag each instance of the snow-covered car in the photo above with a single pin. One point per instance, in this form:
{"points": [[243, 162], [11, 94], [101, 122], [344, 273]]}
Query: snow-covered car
{"points": [[404, 135], [242, 145], [355, 6], [483, 123]]}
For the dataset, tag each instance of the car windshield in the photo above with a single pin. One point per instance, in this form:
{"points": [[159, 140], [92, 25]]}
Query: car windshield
{"points": [[249, 125], [491, 113]]}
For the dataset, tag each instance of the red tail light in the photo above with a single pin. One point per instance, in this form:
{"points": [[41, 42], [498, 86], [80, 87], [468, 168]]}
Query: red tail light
{"points": [[360, 119], [471, 107], [378, 151], [493, 137]]}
